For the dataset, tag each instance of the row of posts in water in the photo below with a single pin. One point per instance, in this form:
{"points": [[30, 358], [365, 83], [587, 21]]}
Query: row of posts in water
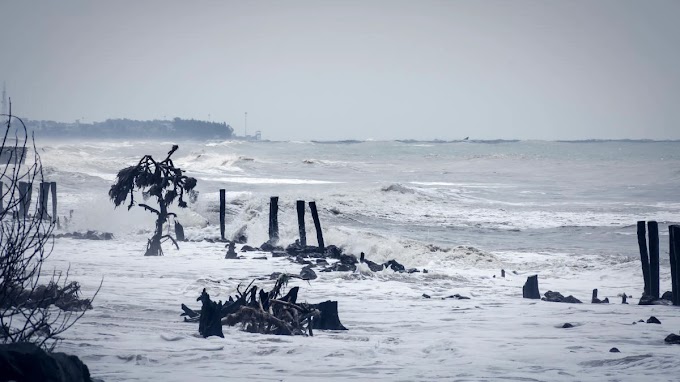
{"points": [[25, 192], [649, 257], [274, 220]]}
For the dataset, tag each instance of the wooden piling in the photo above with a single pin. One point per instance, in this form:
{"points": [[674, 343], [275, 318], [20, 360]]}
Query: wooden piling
{"points": [[317, 225], [25, 191], [43, 196], [179, 231], [301, 222], [273, 220], [594, 299], [674, 252], [644, 256], [502, 272], [653, 235], [223, 210], [2, 194], [53, 190]]}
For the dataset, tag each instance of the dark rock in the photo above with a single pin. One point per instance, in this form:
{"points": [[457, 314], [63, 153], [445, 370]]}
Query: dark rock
{"points": [[653, 320], [340, 267], [557, 297], [348, 259], [614, 350], [209, 240], [374, 267], [641, 320], [301, 260], [667, 295], [649, 300], [328, 319], [412, 270], [673, 339], [425, 271], [27, 362], [247, 248], [88, 235], [307, 273], [394, 265], [321, 262], [279, 254], [268, 247], [275, 276], [567, 325], [260, 258], [333, 251], [425, 295], [457, 297]]}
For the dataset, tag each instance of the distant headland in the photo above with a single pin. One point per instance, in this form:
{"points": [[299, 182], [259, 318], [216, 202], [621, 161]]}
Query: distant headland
{"points": [[136, 129]]}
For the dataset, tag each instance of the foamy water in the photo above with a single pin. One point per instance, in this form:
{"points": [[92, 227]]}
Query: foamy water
{"points": [[462, 210]]}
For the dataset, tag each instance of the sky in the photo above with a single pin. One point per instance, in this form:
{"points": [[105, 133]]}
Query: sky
{"points": [[352, 69]]}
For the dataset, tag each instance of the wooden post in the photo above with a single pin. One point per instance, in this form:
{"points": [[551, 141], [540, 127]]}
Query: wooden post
{"points": [[592, 300], [25, 191], [273, 220], [653, 234], [43, 196], [317, 225], [644, 256], [530, 288], [623, 299], [502, 272], [179, 231], [53, 189], [223, 208], [301, 222], [674, 251], [2, 193]]}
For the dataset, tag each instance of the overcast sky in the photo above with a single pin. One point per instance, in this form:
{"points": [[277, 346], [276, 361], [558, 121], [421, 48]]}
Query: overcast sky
{"points": [[353, 69]]}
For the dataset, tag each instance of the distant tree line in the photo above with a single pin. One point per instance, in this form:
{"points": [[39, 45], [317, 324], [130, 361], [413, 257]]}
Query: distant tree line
{"points": [[130, 128]]}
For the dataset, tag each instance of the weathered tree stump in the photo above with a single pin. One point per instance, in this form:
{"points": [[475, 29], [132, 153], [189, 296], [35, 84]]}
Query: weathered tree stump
{"points": [[210, 323], [328, 319], [530, 289]]}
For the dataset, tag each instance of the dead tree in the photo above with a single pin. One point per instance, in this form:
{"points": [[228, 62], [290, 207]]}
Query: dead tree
{"points": [[30, 311], [258, 311], [161, 180]]}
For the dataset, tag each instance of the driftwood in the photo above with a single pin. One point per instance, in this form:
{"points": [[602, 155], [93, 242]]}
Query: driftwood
{"points": [[258, 311]]}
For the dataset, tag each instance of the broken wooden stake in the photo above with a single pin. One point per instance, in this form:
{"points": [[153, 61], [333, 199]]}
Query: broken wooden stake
{"points": [[653, 235], [530, 288], [623, 299], [179, 231], [223, 210], [301, 222], [502, 272], [317, 225], [273, 220]]}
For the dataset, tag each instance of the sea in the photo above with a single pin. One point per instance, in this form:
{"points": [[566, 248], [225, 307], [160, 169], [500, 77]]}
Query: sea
{"points": [[396, 198], [463, 211]]}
